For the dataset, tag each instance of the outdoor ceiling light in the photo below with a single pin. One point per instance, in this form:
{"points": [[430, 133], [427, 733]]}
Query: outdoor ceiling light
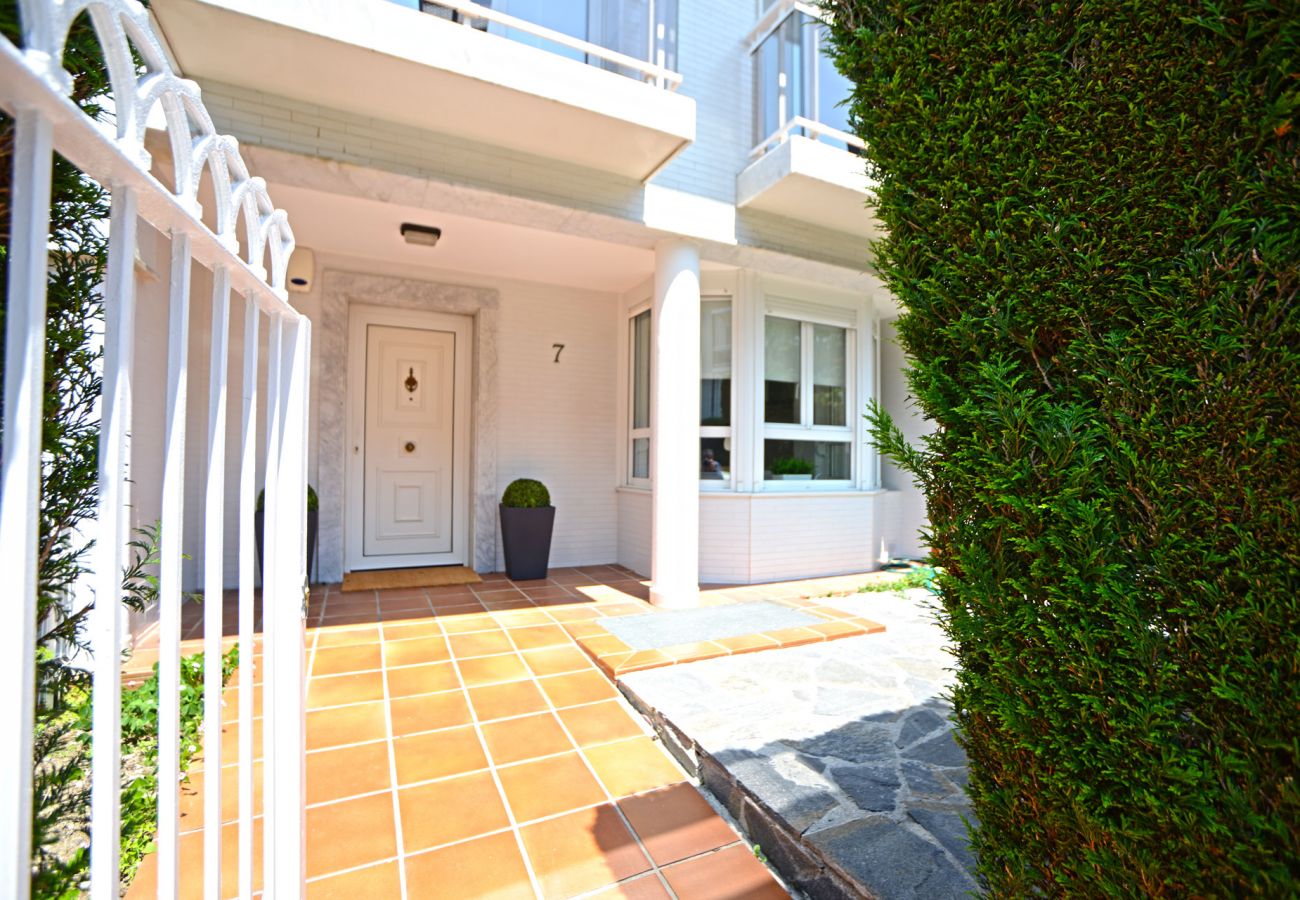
{"points": [[422, 235]]}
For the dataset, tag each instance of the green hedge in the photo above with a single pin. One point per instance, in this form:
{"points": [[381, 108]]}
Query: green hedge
{"points": [[1093, 217]]}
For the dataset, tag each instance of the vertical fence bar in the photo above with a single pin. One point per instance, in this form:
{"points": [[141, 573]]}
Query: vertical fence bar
{"points": [[214, 580], [24, 379], [247, 672], [173, 491], [106, 618], [270, 594], [287, 679]]}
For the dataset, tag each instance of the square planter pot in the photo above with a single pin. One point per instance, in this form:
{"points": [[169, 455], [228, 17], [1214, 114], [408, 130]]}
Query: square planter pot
{"points": [[526, 539], [259, 527]]}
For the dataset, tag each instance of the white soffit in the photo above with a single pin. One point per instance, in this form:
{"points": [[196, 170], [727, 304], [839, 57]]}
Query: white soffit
{"points": [[810, 181], [378, 59]]}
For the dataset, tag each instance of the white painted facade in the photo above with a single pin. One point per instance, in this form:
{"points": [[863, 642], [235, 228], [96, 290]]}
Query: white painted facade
{"points": [[571, 199]]}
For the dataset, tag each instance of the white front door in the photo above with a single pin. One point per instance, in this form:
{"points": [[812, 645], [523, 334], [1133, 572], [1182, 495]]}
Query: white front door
{"points": [[409, 461]]}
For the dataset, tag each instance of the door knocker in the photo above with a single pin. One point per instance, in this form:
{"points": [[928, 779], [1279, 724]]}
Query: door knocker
{"points": [[411, 383], [410, 446]]}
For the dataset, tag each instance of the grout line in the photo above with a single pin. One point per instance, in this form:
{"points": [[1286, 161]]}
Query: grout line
{"points": [[609, 798], [392, 769], [496, 778]]}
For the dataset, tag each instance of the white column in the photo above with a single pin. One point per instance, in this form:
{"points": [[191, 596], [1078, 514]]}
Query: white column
{"points": [[675, 426]]}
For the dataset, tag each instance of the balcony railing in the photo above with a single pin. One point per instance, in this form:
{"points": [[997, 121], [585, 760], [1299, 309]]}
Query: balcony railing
{"points": [[810, 129], [660, 39]]}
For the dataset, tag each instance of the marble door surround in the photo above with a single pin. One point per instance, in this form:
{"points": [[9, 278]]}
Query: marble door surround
{"points": [[339, 290]]}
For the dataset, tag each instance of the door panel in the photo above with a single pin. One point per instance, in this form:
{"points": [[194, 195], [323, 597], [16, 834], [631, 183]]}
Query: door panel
{"points": [[409, 442]]}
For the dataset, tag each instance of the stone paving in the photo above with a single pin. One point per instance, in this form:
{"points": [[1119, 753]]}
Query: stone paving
{"points": [[837, 758]]}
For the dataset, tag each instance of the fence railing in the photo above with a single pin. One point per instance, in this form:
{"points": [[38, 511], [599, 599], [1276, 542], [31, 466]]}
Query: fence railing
{"points": [[34, 92]]}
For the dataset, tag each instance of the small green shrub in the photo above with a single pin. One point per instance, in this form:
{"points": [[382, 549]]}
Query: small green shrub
{"points": [[525, 493], [791, 465], [916, 578]]}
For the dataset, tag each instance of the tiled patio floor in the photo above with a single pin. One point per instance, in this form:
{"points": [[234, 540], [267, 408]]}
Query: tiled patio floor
{"points": [[460, 744]]}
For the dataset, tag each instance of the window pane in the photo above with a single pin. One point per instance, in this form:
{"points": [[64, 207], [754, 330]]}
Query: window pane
{"points": [[830, 353], [715, 362], [793, 55], [806, 460], [715, 459], [565, 16], [641, 458], [641, 370], [767, 72], [832, 88], [781, 370]]}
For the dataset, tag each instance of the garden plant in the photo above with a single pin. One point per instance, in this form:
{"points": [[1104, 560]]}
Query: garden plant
{"points": [[1092, 217]]}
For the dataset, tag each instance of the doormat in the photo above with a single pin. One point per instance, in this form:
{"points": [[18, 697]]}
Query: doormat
{"points": [[687, 626], [431, 576]]}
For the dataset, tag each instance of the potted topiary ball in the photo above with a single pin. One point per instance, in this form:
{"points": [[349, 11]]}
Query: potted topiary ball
{"points": [[313, 516], [527, 520]]}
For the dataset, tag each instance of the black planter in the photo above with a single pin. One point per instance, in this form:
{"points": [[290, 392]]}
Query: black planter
{"points": [[313, 516], [526, 536]]}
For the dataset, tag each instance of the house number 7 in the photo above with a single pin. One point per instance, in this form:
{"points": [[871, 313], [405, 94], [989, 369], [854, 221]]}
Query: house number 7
{"points": [[559, 348]]}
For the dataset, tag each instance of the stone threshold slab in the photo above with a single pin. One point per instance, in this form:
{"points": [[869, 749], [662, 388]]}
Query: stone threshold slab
{"points": [[615, 658]]}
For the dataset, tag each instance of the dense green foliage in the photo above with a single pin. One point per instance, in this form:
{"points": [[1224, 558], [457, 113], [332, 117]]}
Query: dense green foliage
{"points": [[525, 493], [1093, 218]]}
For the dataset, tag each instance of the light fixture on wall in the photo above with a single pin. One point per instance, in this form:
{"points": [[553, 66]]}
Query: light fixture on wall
{"points": [[421, 235]]}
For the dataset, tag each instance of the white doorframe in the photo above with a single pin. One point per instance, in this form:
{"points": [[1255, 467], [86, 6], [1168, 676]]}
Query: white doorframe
{"points": [[360, 317]]}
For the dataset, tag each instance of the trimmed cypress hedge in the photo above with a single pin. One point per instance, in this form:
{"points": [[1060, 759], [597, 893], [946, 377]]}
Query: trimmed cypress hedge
{"points": [[1093, 215]]}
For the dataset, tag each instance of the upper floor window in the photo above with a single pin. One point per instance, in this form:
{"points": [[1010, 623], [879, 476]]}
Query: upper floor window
{"points": [[797, 86], [642, 29]]}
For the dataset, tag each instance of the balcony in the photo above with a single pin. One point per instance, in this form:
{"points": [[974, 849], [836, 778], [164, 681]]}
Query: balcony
{"points": [[459, 68], [805, 164]]}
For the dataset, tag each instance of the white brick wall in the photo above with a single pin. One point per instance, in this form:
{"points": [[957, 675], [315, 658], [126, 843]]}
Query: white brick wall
{"points": [[908, 516], [634, 518]]}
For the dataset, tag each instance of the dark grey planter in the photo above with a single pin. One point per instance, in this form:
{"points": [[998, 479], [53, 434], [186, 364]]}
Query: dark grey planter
{"points": [[313, 516], [526, 538]]}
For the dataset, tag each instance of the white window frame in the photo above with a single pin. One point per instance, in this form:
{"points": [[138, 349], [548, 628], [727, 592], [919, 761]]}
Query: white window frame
{"points": [[808, 315], [633, 433], [715, 485]]}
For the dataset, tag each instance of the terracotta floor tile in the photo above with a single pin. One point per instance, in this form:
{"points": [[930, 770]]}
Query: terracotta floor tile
{"points": [[724, 875], [676, 823], [647, 659], [349, 834], [695, 651], [347, 771], [352, 618], [463, 624], [835, 629], [455, 610], [546, 592], [421, 628], [577, 687], [371, 883], [575, 614], [556, 660], [230, 743], [345, 725], [448, 590], [746, 642], [343, 660], [429, 712], [426, 679], [398, 616], [415, 651], [192, 797], [524, 618], [540, 636], [487, 868], [632, 766], [190, 847], [453, 809], [647, 887], [600, 723], [515, 740], [545, 787], [344, 637], [492, 669], [337, 690], [514, 698], [438, 754], [582, 851], [480, 643]]}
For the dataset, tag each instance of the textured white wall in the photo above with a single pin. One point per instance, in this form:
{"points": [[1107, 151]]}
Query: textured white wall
{"points": [[634, 520]]}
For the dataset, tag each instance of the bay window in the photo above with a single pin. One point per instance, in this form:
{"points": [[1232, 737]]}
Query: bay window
{"points": [[715, 391], [639, 433], [807, 435]]}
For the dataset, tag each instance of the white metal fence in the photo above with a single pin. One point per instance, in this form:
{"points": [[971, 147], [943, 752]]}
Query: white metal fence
{"points": [[34, 90]]}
